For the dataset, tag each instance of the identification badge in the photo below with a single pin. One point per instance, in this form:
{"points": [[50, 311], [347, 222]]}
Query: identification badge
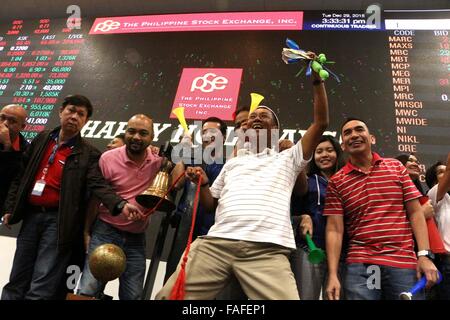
{"points": [[38, 188]]}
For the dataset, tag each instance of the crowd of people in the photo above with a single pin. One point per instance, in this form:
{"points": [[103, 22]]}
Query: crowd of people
{"points": [[367, 213]]}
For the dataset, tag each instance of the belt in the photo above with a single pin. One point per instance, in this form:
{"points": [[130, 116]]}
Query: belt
{"points": [[43, 209]]}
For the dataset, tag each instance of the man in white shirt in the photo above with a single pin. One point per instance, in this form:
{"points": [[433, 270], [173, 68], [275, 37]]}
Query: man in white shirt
{"points": [[252, 235]]}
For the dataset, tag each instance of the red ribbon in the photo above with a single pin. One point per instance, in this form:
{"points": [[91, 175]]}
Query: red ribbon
{"points": [[178, 290]]}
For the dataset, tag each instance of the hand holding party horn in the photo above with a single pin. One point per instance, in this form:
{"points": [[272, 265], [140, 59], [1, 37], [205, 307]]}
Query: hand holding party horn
{"points": [[293, 54], [418, 287], [316, 255]]}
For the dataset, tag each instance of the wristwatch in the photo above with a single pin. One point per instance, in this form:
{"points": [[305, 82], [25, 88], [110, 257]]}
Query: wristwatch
{"points": [[425, 253], [119, 207]]}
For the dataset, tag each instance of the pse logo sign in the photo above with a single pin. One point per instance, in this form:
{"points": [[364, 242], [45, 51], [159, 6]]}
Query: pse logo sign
{"points": [[105, 26], [208, 92], [209, 82]]}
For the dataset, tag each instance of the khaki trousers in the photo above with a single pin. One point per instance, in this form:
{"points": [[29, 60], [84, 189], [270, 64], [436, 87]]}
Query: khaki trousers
{"points": [[262, 269]]}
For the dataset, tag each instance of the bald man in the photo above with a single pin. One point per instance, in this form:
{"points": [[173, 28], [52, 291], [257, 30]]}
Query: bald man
{"points": [[129, 169], [12, 145], [12, 120]]}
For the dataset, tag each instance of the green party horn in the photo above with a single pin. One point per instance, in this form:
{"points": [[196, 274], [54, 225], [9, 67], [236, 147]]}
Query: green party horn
{"points": [[316, 255]]}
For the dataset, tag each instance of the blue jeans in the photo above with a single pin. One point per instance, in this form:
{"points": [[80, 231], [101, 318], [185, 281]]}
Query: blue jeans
{"points": [[38, 267], [133, 245], [377, 282], [310, 277]]}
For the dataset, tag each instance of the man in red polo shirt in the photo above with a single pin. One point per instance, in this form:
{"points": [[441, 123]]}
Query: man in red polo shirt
{"points": [[49, 195], [378, 204]]}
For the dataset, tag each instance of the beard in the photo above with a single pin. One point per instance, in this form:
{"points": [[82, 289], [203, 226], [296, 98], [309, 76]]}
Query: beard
{"points": [[136, 148]]}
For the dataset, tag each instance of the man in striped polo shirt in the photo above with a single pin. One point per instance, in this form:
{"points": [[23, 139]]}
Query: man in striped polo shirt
{"points": [[252, 235], [377, 202]]}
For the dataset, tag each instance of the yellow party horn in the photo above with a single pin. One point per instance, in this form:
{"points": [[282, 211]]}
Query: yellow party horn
{"points": [[256, 100], [179, 112]]}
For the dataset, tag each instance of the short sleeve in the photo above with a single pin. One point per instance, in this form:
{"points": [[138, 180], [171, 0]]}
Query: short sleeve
{"points": [[333, 203], [216, 188]]}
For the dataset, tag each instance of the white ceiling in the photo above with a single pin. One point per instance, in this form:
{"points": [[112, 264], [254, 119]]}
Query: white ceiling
{"points": [[29, 9]]}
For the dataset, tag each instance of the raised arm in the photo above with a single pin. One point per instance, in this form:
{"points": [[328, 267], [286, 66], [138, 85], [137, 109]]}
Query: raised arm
{"points": [[312, 136]]}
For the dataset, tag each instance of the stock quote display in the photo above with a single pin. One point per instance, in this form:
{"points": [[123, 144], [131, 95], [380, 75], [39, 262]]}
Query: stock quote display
{"points": [[36, 60]]}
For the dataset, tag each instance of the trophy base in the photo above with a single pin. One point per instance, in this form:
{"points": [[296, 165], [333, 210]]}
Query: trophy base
{"points": [[71, 296]]}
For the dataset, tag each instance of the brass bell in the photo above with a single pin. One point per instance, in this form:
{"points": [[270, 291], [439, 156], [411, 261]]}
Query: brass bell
{"points": [[159, 186]]}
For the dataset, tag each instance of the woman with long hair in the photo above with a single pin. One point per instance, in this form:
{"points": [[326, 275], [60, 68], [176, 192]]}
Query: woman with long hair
{"points": [[327, 161]]}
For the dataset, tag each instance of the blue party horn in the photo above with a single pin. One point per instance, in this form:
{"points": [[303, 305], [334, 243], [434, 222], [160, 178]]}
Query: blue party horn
{"points": [[418, 287]]}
